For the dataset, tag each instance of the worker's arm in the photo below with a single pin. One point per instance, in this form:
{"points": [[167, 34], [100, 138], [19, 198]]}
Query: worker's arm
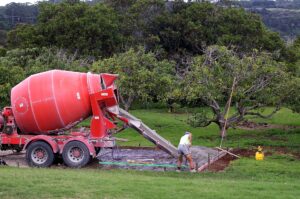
{"points": [[190, 138]]}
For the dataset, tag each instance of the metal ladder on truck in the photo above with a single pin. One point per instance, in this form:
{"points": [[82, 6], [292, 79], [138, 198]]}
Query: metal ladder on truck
{"points": [[149, 134]]}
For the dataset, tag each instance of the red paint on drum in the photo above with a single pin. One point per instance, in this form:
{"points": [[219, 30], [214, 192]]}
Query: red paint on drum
{"points": [[54, 100]]}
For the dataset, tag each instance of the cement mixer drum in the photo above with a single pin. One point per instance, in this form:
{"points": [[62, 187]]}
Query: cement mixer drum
{"points": [[51, 101]]}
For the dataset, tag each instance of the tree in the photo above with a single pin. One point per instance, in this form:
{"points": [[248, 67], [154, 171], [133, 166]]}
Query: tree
{"points": [[18, 64], [141, 76], [23, 36], [121, 6], [75, 26], [188, 29], [34, 60], [254, 81], [9, 76], [17, 13], [292, 59], [198, 25], [3, 38], [137, 18], [292, 100], [246, 31]]}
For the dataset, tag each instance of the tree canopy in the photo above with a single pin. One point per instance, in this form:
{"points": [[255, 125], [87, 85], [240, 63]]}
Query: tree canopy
{"points": [[141, 76], [90, 30], [177, 28], [9, 76], [17, 64], [254, 81]]}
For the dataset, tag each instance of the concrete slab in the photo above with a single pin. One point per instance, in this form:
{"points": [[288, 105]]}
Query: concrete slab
{"points": [[132, 155], [149, 156]]}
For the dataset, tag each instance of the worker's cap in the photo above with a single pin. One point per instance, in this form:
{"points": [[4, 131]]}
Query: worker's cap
{"points": [[186, 133]]}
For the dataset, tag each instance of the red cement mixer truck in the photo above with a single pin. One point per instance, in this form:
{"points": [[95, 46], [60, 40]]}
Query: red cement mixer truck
{"points": [[45, 107]]}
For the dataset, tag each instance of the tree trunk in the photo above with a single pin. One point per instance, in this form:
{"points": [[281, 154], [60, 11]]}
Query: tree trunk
{"points": [[223, 129], [126, 102], [126, 107]]}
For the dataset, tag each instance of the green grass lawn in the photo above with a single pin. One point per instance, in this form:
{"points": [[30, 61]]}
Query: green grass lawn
{"points": [[283, 117], [275, 177], [172, 127], [278, 176]]}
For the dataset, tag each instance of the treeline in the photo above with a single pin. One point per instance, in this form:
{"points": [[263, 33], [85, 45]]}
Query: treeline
{"points": [[15, 13], [282, 16], [174, 53], [178, 29]]}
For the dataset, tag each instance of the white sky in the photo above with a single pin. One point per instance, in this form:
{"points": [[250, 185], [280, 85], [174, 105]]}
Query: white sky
{"points": [[4, 2]]}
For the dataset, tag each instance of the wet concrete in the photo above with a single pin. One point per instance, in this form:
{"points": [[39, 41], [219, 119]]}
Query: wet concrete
{"points": [[144, 157]]}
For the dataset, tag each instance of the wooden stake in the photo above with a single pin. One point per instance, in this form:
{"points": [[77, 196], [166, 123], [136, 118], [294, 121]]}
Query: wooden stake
{"points": [[227, 111], [228, 152]]}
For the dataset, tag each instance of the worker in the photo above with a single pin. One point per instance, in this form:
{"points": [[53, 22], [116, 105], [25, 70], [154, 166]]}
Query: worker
{"points": [[184, 150]]}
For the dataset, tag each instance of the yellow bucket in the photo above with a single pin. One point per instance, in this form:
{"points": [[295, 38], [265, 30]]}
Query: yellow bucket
{"points": [[259, 155]]}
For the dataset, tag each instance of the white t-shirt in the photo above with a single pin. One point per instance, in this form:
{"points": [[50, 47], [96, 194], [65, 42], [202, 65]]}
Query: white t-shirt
{"points": [[184, 140]]}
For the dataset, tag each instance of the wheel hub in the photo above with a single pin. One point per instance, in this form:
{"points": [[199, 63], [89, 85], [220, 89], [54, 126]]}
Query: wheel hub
{"points": [[75, 154], [39, 155]]}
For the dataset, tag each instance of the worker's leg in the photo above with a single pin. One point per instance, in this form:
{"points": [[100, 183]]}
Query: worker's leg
{"points": [[191, 163], [179, 163]]}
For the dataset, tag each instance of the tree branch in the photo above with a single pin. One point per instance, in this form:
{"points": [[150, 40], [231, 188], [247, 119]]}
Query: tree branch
{"points": [[263, 116]]}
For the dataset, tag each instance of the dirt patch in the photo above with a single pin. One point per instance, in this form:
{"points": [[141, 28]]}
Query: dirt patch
{"points": [[297, 155], [244, 152], [249, 125], [221, 164], [225, 161]]}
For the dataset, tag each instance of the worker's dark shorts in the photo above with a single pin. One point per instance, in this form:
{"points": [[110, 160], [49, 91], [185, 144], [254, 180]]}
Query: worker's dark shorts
{"points": [[184, 149]]}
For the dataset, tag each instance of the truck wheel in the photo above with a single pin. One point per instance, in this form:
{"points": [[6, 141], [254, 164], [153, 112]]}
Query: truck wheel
{"points": [[39, 154], [76, 154]]}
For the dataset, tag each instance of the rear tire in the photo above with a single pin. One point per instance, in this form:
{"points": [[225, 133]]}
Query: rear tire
{"points": [[76, 154], [39, 154]]}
